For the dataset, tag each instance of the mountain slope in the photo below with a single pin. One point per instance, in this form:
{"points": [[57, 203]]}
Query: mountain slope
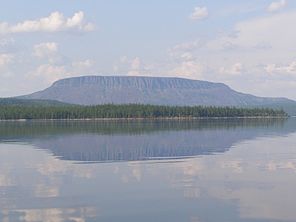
{"points": [[93, 90], [29, 102]]}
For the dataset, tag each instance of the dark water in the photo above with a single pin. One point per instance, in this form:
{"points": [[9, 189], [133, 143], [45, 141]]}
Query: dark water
{"points": [[154, 171]]}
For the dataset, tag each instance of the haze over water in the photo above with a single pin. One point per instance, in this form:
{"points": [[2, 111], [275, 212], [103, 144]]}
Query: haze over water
{"points": [[196, 171]]}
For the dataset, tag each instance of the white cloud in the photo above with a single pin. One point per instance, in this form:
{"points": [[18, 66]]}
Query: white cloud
{"points": [[5, 59], [135, 67], [55, 22], [242, 56], [186, 46], [4, 42], [275, 32], [199, 13], [45, 49], [123, 59], [6, 63], [50, 72], [136, 63], [82, 64], [189, 69], [270, 68], [235, 69], [131, 66], [82, 67], [186, 56], [276, 6], [291, 68], [284, 69]]}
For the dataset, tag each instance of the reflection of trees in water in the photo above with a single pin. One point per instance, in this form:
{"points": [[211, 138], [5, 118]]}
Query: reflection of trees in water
{"points": [[16, 130], [190, 139], [141, 140]]}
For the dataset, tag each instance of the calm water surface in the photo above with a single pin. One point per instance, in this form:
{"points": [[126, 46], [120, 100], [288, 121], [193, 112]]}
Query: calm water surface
{"points": [[160, 171]]}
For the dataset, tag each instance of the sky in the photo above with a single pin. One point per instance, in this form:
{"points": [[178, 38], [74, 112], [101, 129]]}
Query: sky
{"points": [[248, 45]]}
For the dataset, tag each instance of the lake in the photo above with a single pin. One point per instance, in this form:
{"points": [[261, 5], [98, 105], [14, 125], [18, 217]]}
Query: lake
{"points": [[162, 171]]}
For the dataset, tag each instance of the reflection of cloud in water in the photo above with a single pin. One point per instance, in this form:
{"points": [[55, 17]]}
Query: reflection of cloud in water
{"points": [[133, 172], [254, 180], [195, 219], [5, 179], [192, 192], [192, 168], [136, 172], [235, 165], [44, 190], [54, 167], [57, 215], [275, 166], [264, 188]]}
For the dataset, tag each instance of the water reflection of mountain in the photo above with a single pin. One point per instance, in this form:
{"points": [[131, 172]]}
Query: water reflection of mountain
{"points": [[141, 140]]}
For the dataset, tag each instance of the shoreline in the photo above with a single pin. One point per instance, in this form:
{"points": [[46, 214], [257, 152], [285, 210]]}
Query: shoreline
{"points": [[156, 118]]}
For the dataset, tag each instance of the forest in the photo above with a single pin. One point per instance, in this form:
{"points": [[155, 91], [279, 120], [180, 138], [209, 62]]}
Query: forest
{"points": [[17, 112]]}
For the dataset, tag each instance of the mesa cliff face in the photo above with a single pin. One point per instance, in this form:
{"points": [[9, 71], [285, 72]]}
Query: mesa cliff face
{"points": [[94, 90]]}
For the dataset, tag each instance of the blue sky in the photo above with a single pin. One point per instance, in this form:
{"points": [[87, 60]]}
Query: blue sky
{"points": [[249, 45]]}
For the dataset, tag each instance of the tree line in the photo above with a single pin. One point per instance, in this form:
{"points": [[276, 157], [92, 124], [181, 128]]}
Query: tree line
{"points": [[9, 112]]}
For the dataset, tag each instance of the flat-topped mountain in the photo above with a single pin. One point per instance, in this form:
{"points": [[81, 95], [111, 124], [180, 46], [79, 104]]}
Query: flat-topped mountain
{"points": [[94, 90]]}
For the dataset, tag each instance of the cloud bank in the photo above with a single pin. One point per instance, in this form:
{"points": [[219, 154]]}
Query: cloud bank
{"points": [[55, 22], [45, 49], [199, 13], [276, 6]]}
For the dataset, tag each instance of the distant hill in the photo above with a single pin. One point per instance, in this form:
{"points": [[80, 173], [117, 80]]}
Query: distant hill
{"points": [[94, 90], [29, 102]]}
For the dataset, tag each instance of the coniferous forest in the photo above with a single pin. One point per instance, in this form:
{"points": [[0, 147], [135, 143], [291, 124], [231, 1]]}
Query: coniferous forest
{"points": [[11, 112]]}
